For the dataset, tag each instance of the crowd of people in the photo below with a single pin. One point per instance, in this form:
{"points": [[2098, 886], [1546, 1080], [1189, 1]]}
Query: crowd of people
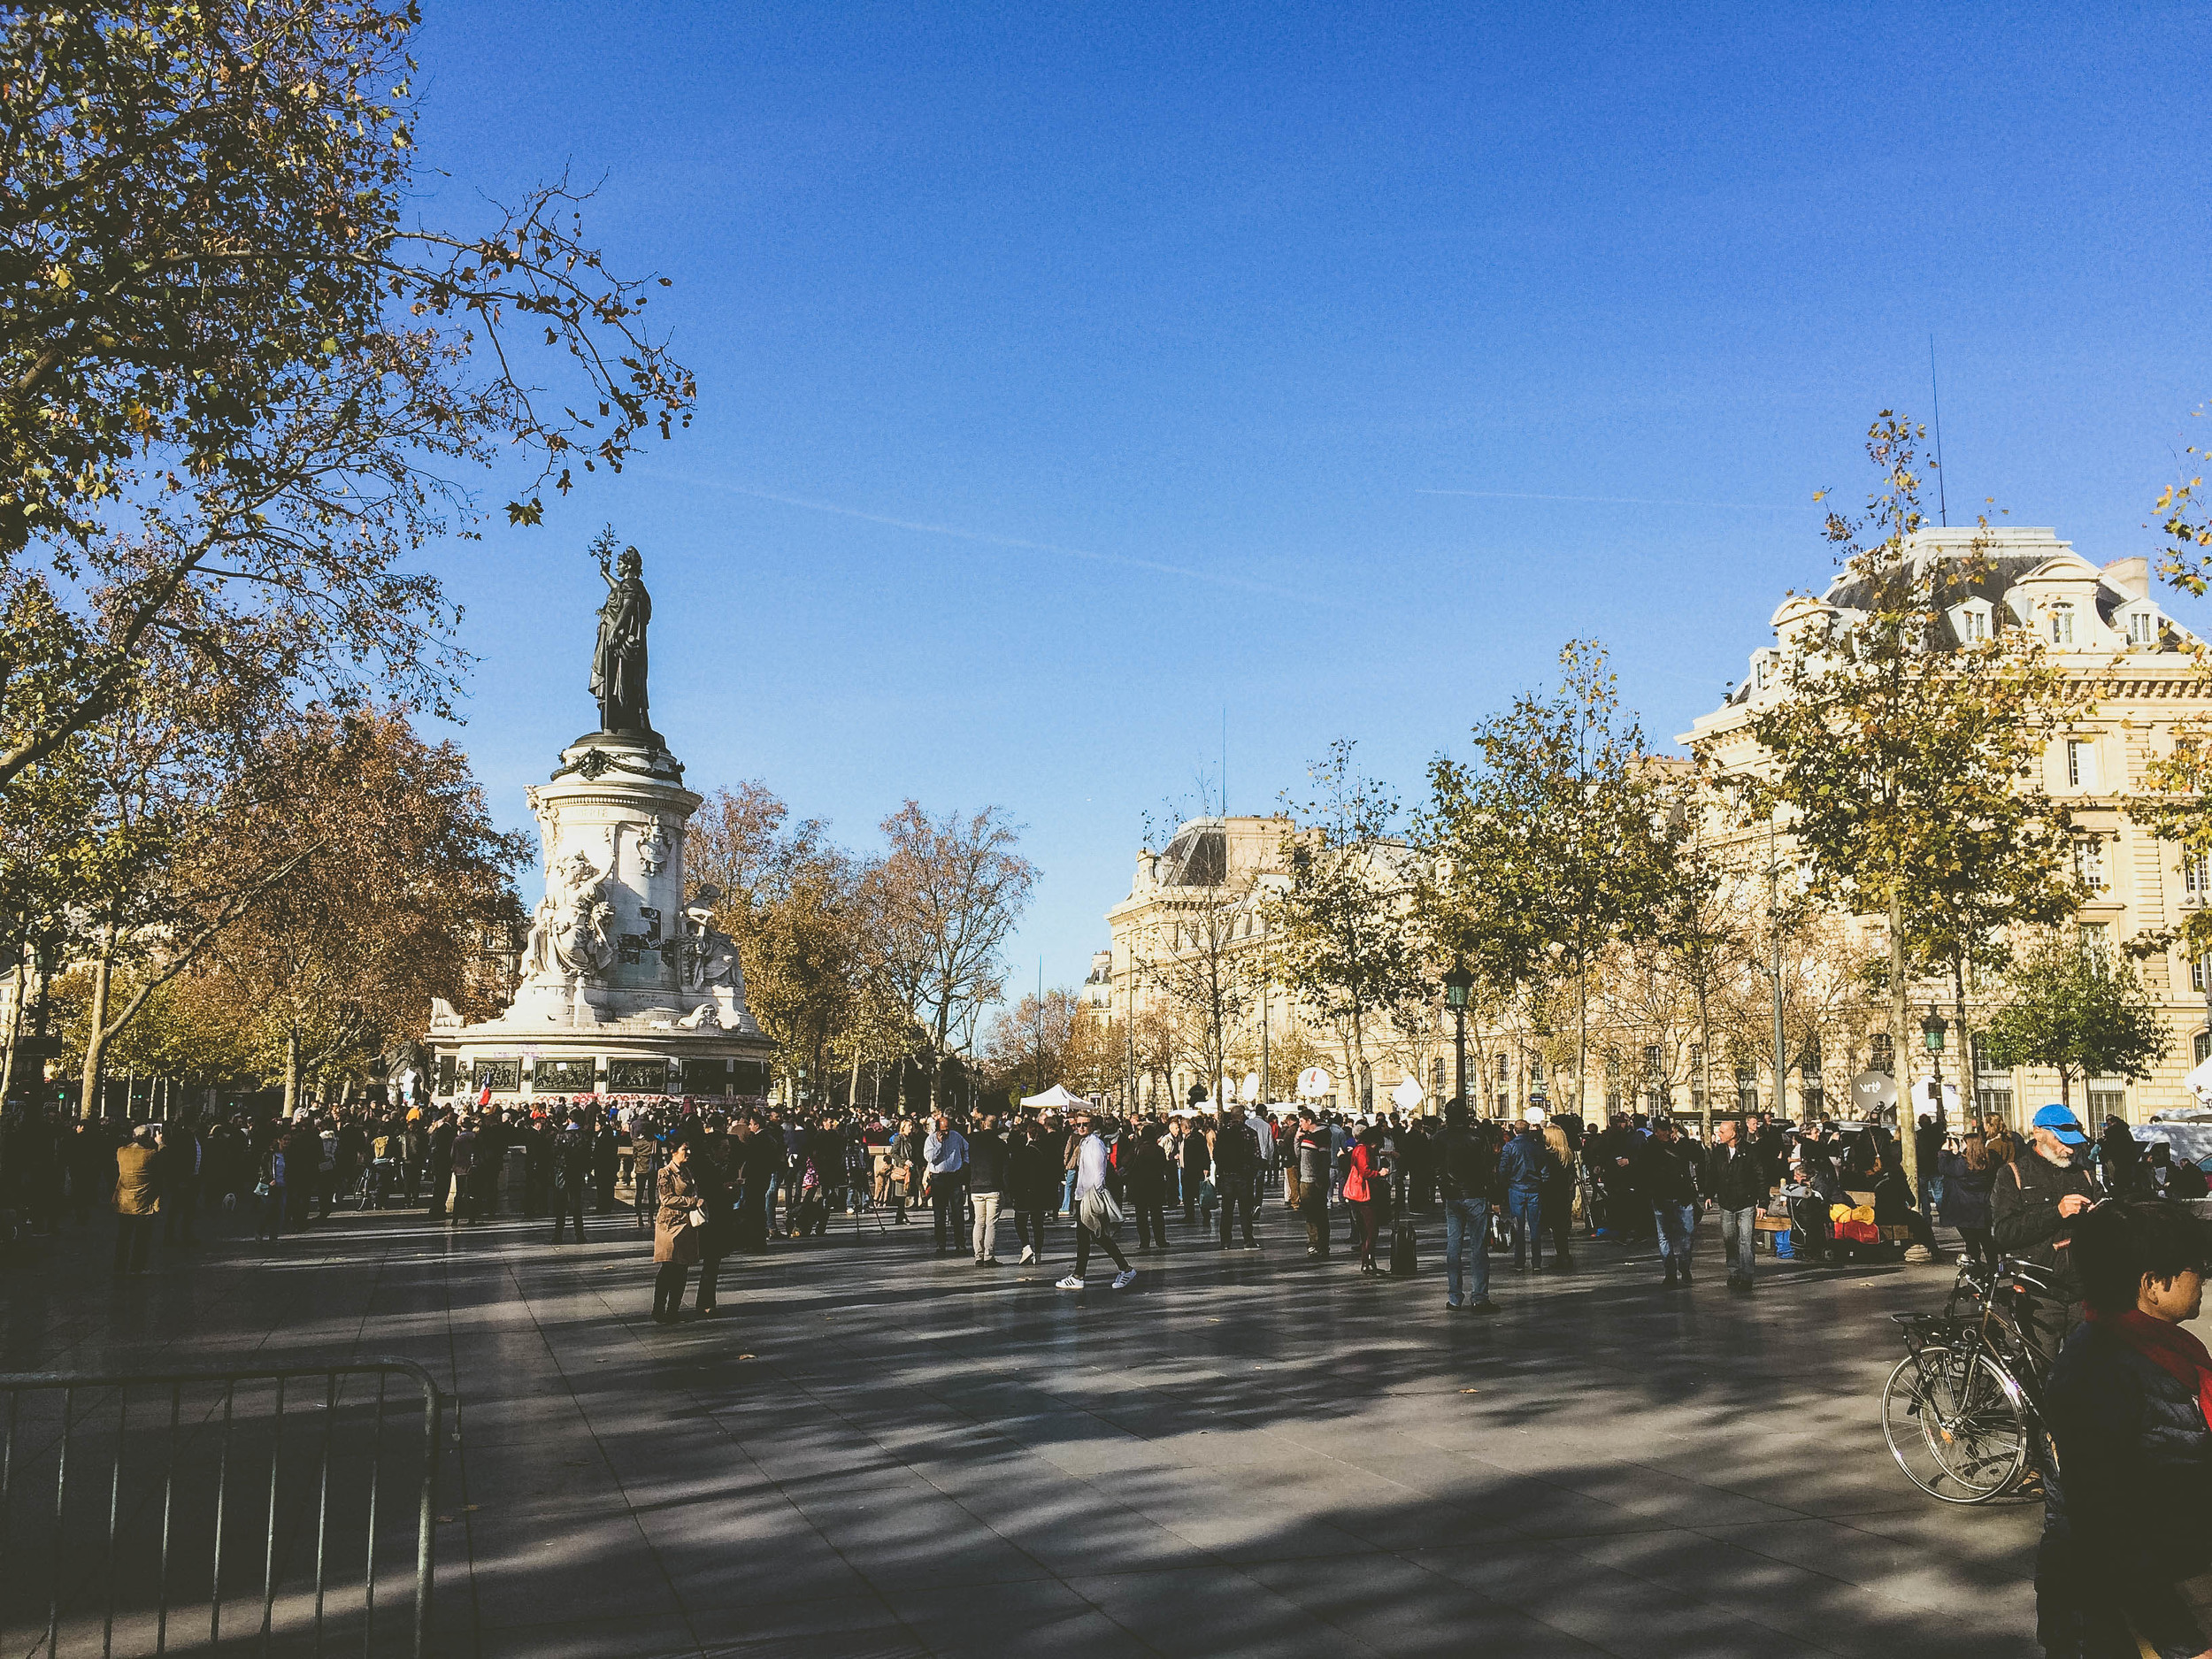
{"points": [[709, 1180]]}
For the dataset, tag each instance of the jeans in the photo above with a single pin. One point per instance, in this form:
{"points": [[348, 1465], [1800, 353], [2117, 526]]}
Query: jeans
{"points": [[272, 1213], [1083, 1237], [987, 1226], [1029, 1230], [1366, 1220], [1677, 1224], [1466, 1237], [1315, 1207], [668, 1288], [1525, 1206], [133, 1241], [1067, 1193], [1238, 1192], [568, 1205], [944, 1201], [1739, 1231]]}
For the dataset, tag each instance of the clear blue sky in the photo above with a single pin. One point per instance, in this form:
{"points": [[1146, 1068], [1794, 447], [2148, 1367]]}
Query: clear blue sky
{"points": [[1071, 374]]}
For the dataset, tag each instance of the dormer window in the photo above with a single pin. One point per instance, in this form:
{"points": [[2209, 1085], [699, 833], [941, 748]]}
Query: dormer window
{"points": [[2142, 626], [2061, 624], [1760, 668], [1972, 622]]}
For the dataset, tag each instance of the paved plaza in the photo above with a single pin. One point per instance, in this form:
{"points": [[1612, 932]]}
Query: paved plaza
{"points": [[878, 1451]]}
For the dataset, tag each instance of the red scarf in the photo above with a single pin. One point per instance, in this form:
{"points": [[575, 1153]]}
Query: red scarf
{"points": [[2169, 1347]]}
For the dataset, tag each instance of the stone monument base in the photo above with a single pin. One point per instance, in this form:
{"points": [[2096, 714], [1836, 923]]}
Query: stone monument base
{"points": [[648, 1056]]}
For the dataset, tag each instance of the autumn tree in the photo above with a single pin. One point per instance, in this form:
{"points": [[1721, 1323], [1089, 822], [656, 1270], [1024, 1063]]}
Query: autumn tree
{"points": [[798, 943], [1026, 1046], [243, 371], [1096, 1061], [1902, 761], [944, 900], [1553, 842], [405, 875], [1340, 929]]}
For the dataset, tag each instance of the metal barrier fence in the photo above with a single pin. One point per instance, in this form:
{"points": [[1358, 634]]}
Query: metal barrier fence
{"points": [[129, 1505]]}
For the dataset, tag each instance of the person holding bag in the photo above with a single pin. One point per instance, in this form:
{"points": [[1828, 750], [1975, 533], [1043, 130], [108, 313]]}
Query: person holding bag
{"points": [[677, 1225], [1097, 1212]]}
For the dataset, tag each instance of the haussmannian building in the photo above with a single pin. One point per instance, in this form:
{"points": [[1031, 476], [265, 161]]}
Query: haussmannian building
{"points": [[2104, 623]]}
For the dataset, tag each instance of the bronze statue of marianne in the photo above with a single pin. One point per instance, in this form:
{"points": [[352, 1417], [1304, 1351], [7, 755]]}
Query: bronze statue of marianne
{"points": [[617, 663]]}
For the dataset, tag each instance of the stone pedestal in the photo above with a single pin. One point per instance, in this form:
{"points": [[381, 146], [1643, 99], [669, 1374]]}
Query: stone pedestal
{"points": [[624, 991]]}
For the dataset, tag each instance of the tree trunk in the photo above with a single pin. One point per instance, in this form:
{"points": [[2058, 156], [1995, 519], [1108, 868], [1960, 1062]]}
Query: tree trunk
{"points": [[15, 1032], [1900, 1048], [95, 1033], [1704, 1063], [1582, 1039], [291, 1069]]}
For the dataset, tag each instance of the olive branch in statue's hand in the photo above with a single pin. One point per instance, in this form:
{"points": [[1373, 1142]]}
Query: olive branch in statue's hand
{"points": [[603, 549]]}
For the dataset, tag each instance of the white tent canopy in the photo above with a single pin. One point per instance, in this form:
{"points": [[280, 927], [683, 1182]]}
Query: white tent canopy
{"points": [[1054, 1098]]}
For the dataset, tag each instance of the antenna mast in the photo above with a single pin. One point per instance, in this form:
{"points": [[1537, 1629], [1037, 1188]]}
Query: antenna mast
{"points": [[1935, 397]]}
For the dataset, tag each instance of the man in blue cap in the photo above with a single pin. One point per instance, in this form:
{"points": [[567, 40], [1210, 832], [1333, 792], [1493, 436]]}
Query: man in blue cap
{"points": [[2032, 1211]]}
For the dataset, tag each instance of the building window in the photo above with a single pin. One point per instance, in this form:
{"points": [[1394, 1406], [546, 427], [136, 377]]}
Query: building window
{"points": [[1813, 1103], [1994, 1103], [1436, 1077], [1881, 1057], [2089, 863], [1746, 1089], [2203, 1047], [1651, 1061], [1973, 623], [2062, 624], [1505, 1074], [2196, 974], [2094, 942], [2107, 1102], [2196, 876], [2081, 763], [2142, 627]]}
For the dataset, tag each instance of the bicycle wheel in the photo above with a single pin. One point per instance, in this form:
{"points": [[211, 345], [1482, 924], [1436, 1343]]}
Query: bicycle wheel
{"points": [[1956, 1426]]}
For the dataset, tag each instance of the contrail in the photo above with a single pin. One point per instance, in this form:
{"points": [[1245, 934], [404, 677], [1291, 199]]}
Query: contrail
{"points": [[1610, 501], [988, 539]]}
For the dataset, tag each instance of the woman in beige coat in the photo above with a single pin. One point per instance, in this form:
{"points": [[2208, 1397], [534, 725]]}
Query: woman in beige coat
{"points": [[675, 1232]]}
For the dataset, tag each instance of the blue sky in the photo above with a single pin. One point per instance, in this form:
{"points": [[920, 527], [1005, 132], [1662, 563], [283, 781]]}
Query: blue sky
{"points": [[1070, 376]]}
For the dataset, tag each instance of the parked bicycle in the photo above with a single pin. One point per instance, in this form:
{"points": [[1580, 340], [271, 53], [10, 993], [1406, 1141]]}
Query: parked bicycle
{"points": [[1963, 1411]]}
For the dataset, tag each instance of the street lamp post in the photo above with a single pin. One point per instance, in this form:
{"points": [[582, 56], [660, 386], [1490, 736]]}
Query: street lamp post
{"points": [[1932, 1029], [1458, 983]]}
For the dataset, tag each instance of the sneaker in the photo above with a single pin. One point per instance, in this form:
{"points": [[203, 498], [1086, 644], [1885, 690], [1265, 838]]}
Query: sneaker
{"points": [[1451, 1307], [1070, 1283], [1485, 1306], [992, 1261], [1029, 1254], [1125, 1278]]}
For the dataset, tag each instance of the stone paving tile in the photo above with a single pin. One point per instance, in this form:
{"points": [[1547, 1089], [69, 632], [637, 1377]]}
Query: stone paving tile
{"points": [[879, 1453]]}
